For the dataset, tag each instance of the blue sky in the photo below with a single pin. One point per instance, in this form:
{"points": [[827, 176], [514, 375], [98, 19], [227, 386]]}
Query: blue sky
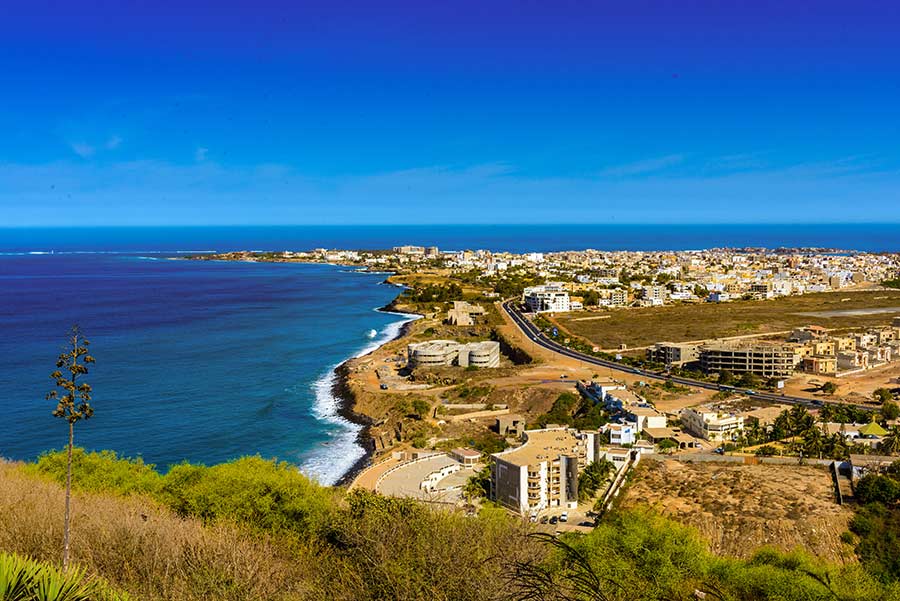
{"points": [[465, 111]]}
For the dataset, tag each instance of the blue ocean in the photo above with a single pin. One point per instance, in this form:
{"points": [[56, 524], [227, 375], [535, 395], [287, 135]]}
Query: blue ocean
{"points": [[206, 361], [195, 360]]}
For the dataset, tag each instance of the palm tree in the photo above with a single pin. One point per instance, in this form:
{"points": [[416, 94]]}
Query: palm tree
{"points": [[890, 444], [813, 442]]}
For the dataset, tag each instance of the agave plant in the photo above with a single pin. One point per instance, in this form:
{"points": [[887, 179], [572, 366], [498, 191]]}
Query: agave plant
{"points": [[22, 579], [51, 585], [16, 577]]}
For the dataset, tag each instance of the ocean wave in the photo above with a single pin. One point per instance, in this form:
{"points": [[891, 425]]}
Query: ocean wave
{"points": [[329, 464]]}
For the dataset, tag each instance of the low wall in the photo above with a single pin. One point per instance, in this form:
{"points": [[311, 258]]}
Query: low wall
{"points": [[748, 459], [474, 415]]}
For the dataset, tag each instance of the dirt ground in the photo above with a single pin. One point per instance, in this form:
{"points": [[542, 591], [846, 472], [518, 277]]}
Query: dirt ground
{"points": [[857, 388], [638, 327], [739, 508]]}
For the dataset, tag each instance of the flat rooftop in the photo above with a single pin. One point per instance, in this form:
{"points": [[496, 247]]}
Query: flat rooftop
{"points": [[542, 445]]}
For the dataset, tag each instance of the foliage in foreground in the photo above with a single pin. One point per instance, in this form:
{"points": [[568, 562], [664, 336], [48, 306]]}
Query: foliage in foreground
{"points": [[265, 494], [22, 579], [641, 555], [278, 537], [877, 523]]}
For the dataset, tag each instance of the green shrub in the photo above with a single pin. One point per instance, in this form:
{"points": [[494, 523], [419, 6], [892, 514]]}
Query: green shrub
{"points": [[265, 494], [875, 488], [101, 471]]}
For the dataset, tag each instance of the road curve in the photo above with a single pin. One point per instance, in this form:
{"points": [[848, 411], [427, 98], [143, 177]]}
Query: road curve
{"points": [[537, 336]]}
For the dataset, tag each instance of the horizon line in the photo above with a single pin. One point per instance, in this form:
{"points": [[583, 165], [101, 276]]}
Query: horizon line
{"points": [[485, 224]]}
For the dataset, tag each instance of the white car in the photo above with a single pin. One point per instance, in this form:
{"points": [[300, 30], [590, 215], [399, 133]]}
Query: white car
{"points": [[564, 516]]}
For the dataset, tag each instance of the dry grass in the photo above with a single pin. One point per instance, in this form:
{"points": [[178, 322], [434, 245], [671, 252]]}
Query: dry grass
{"points": [[373, 548], [676, 323], [143, 548], [739, 508]]}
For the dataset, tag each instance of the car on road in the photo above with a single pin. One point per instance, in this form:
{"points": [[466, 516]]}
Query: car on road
{"points": [[554, 519], [564, 516], [384, 386]]}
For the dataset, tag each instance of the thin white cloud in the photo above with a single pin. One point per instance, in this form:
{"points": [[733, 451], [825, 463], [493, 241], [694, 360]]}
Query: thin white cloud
{"points": [[201, 153], [642, 167], [83, 150], [113, 142], [210, 193]]}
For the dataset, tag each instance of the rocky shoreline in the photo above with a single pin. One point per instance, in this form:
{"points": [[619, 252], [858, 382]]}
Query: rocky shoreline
{"points": [[346, 400]]}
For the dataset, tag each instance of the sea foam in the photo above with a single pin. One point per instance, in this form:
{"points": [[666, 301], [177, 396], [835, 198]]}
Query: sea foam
{"points": [[331, 462]]}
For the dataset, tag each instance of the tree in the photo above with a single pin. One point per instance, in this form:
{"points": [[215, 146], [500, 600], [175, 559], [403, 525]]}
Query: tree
{"points": [[813, 442], [882, 395], [592, 478], [726, 378], [72, 404], [590, 298], [420, 408], [874, 488], [829, 388], [478, 486], [890, 410], [890, 444]]}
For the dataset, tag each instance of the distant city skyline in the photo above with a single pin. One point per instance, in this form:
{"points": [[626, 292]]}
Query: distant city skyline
{"points": [[465, 112]]}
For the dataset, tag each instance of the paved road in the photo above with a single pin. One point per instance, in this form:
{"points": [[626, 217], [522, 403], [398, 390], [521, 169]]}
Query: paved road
{"points": [[537, 336]]}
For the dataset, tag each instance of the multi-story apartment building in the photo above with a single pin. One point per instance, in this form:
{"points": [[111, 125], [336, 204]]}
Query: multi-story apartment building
{"points": [[673, 354], [655, 294], [618, 297], [712, 425], [547, 298], [540, 474], [543, 472], [766, 359]]}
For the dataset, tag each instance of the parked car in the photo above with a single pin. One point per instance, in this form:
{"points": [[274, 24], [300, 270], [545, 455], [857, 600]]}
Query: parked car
{"points": [[719, 450], [564, 516], [554, 519], [384, 386]]}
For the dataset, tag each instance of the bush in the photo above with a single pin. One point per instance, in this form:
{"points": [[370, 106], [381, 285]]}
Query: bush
{"points": [[875, 488], [265, 494], [766, 451], [420, 407], [101, 471]]}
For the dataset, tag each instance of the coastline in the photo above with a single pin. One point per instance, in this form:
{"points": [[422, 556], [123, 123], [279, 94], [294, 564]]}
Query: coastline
{"points": [[346, 400]]}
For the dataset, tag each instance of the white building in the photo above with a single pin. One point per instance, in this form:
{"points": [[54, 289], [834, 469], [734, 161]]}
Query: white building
{"points": [[439, 353], [620, 434], [547, 298]]}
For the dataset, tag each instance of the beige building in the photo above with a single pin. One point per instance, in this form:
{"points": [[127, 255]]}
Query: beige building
{"points": [[712, 425], [673, 354], [819, 365], [462, 312], [766, 359]]}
